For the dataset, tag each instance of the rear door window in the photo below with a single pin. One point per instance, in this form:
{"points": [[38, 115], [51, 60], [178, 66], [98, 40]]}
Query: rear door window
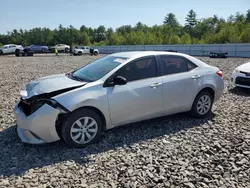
{"points": [[173, 64]]}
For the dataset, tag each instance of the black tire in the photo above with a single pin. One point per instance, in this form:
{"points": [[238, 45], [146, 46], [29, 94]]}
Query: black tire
{"points": [[67, 125], [79, 53], [1, 52], [66, 50], [194, 110], [95, 53], [17, 52]]}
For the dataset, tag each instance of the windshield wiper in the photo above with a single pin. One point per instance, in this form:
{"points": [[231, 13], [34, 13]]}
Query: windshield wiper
{"points": [[72, 76]]}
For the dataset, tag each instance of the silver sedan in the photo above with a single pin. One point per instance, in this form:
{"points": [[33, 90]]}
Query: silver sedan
{"points": [[114, 90]]}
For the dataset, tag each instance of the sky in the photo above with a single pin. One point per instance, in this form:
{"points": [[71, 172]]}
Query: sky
{"points": [[27, 14]]}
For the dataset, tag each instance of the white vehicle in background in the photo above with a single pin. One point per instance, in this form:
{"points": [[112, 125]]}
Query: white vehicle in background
{"points": [[241, 76], [80, 50], [10, 49], [60, 48]]}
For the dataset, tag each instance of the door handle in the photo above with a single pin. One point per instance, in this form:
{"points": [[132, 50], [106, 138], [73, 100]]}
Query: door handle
{"points": [[155, 85], [196, 77]]}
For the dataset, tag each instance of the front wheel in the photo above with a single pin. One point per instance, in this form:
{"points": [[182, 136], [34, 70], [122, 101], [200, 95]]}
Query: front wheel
{"points": [[82, 128], [202, 104]]}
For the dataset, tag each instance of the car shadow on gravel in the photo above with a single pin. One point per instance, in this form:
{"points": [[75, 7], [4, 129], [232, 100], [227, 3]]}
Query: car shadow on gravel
{"points": [[17, 158], [240, 91]]}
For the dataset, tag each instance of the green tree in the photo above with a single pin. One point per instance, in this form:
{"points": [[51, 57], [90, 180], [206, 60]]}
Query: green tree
{"points": [[191, 22], [185, 39], [191, 19], [99, 34], [248, 16], [84, 39], [174, 39], [245, 36], [171, 20], [207, 30], [231, 18], [239, 17]]}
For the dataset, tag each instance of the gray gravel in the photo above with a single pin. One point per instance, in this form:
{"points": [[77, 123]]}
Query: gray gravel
{"points": [[173, 151]]}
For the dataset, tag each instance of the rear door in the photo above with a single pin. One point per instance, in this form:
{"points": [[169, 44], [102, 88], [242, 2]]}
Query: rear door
{"points": [[35, 48], [181, 82], [12, 48], [85, 50]]}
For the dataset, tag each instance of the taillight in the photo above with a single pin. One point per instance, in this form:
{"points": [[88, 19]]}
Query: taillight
{"points": [[219, 73]]}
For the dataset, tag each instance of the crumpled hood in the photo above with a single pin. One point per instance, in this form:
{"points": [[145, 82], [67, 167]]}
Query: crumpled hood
{"points": [[245, 67], [49, 84]]}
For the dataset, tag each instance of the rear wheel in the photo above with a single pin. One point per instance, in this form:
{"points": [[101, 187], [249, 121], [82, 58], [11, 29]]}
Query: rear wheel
{"points": [[82, 128], [202, 104], [66, 50], [95, 53], [1, 52]]}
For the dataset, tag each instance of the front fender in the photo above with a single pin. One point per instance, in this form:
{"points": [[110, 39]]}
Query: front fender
{"points": [[87, 96]]}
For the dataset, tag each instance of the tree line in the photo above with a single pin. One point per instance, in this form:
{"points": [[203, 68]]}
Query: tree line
{"points": [[211, 30]]}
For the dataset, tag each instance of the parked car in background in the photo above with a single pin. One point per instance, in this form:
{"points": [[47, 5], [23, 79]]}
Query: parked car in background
{"points": [[60, 48], [241, 76], [37, 48], [80, 50], [10, 49], [114, 90]]}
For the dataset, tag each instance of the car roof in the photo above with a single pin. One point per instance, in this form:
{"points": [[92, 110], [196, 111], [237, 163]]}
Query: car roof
{"points": [[138, 54]]}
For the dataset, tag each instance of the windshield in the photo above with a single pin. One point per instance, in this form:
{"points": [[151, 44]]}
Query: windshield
{"points": [[99, 68]]}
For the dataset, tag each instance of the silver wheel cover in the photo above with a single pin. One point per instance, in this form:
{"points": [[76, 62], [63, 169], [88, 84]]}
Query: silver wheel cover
{"points": [[203, 104], [83, 130]]}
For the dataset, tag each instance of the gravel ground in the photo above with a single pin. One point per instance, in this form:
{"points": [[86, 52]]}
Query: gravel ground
{"points": [[173, 151]]}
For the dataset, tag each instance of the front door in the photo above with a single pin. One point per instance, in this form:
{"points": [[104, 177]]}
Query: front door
{"points": [[6, 49], [141, 97]]}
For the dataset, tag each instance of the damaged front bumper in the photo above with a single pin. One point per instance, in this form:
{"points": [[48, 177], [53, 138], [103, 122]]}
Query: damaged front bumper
{"points": [[38, 127], [38, 115]]}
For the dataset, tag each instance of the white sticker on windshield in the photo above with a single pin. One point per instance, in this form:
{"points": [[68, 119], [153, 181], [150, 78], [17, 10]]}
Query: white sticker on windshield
{"points": [[119, 60]]}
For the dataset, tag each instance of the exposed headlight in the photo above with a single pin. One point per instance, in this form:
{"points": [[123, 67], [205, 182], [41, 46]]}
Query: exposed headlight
{"points": [[30, 107]]}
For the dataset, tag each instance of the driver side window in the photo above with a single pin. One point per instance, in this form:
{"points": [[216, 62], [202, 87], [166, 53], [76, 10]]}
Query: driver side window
{"points": [[139, 69]]}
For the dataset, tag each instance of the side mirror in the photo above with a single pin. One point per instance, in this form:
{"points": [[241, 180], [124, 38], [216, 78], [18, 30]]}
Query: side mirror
{"points": [[119, 80]]}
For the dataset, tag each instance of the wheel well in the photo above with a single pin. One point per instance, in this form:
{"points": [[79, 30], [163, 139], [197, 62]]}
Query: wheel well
{"points": [[99, 113], [62, 117], [209, 89], [17, 50]]}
